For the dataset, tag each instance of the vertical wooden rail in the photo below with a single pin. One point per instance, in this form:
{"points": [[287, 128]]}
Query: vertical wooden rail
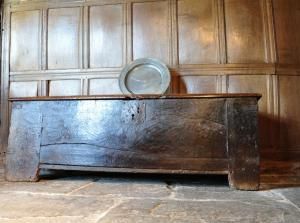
{"points": [[222, 54], [242, 144], [43, 84], [5, 78], [23, 151]]}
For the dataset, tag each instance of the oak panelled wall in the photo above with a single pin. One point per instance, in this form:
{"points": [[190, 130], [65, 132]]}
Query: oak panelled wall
{"points": [[150, 30], [245, 32], [63, 38], [287, 23], [53, 48], [197, 32], [25, 36], [106, 36]]}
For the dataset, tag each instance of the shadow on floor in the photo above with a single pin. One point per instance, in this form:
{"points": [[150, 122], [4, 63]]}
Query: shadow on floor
{"points": [[268, 181], [169, 179]]}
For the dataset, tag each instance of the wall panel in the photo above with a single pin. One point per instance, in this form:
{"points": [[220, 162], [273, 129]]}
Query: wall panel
{"points": [[244, 31], [64, 38], [197, 32], [65, 88], [104, 87], [23, 89], [106, 36], [289, 95], [25, 41], [287, 20], [198, 84], [151, 30]]}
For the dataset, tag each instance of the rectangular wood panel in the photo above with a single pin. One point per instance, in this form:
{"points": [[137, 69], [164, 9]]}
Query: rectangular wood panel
{"points": [[142, 127], [256, 84], [64, 38], [25, 41], [197, 32], [23, 89], [244, 31], [65, 88], [287, 23], [198, 84], [106, 36], [289, 94], [104, 86], [151, 30]]}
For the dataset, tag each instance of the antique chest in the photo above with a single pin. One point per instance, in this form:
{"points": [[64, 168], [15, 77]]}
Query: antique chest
{"points": [[205, 134]]}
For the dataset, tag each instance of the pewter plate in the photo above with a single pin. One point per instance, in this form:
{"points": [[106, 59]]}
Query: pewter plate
{"points": [[145, 76]]}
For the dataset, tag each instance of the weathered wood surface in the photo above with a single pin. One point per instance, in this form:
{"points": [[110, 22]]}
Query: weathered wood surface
{"points": [[22, 157], [140, 96], [137, 133], [243, 152], [173, 135]]}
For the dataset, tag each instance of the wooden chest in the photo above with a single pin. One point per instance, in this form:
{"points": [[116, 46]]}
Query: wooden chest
{"points": [[205, 134]]}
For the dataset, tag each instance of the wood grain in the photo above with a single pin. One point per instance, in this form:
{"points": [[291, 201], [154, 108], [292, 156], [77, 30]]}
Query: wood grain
{"points": [[197, 34], [65, 88], [222, 163], [106, 36], [70, 154], [209, 135], [150, 34], [198, 84], [22, 158], [244, 31], [25, 41], [63, 38], [243, 152], [24, 89], [104, 87], [289, 93], [137, 97], [143, 126], [287, 21]]}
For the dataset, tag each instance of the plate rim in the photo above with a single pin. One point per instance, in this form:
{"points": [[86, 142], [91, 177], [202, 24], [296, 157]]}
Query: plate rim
{"points": [[153, 61]]}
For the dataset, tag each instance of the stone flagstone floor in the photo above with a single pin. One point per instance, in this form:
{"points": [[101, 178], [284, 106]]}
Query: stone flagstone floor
{"points": [[110, 198]]}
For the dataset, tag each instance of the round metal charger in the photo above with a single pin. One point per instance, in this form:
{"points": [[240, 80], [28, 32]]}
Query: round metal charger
{"points": [[145, 76]]}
